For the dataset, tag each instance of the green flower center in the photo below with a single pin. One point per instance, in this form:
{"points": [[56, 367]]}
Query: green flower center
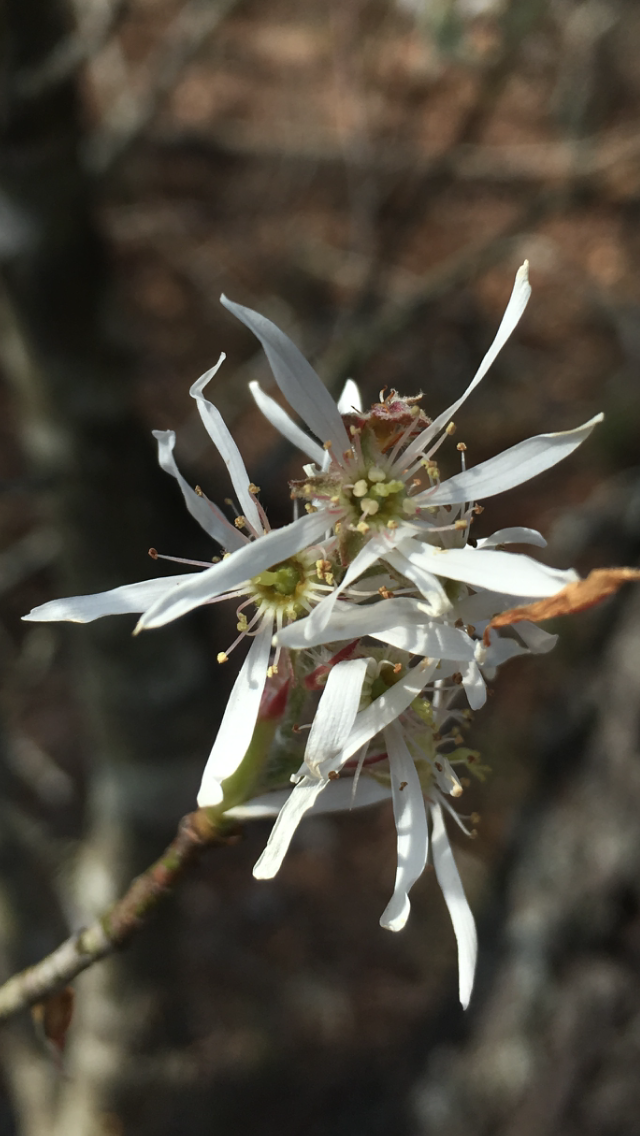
{"points": [[284, 587]]}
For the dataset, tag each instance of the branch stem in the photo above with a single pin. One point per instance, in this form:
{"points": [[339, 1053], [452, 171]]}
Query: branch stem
{"points": [[196, 831]]}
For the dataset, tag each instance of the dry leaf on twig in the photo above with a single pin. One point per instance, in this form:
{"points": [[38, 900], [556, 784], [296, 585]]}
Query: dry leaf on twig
{"points": [[53, 1017], [599, 584]]}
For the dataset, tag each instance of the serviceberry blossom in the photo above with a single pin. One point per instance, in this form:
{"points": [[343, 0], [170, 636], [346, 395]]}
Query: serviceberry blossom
{"points": [[377, 605], [376, 479], [272, 573]]}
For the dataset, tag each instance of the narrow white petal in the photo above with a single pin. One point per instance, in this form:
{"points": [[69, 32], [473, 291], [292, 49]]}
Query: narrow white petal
{"points": [[337, 797], [438, 640], [401, 622], [286, 426], [512, 467], [535, 638], [387, 708], [513, 536], [350, 399], [316, 622], [128, 599], [336, 713], [474, 685], [217, 430], [455, 899], [425, 581], [303, 389], [411, 822], [500, 651], [517, 303], [240, 717], [301, 799], [510, 572], [242, 565], [212, 520]]}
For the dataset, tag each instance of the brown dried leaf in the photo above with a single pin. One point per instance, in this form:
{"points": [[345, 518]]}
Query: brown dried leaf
{"points": [[53, 1016], [599, 584]]}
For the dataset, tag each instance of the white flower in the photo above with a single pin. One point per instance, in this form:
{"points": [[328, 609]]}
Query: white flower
{"points": [[385, 720], [369, 480], [273, 572]]}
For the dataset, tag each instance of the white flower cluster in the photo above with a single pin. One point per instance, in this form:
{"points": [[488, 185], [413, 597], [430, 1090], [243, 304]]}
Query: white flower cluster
{"points": [[373, 599]]}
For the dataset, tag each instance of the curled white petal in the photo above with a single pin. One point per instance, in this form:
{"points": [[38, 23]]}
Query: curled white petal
{"points": [[535, 638], [511, 468], [218, 431], [425, 581], [286, 426], [411, 823], [514, 535], [337, 797], [240, 717], [303, 389], [350, 399], [335, 715], [300, 801], [212, 520], [516, 306], [240, 566], [400, 622], [456, 901], [510, 572], [125, 600], [474, 685]]}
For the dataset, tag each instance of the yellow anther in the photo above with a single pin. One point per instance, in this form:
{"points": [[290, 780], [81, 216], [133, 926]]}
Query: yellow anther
{"points": [[253, 488], [198, 491], [460, 525], [335, 500], [409, 507], [271, 671], [414, 412], [222, 657], [451, 429], [360, 488], [327, 445], [368, 506], [363, 528], [310, 508], [353, 430], [461, 446], [240, 522], [376, 474], [392, 524]]}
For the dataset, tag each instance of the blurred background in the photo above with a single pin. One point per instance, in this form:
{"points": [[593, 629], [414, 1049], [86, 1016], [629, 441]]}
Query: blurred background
{"points": [[369, 174]]}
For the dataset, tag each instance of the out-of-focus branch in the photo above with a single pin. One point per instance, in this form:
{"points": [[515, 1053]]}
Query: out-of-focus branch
{"points": [[69, 55], [131, 114], [197, 831]]}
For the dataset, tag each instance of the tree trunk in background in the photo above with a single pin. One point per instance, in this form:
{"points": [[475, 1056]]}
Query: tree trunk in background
{"points": [[148, 701]]}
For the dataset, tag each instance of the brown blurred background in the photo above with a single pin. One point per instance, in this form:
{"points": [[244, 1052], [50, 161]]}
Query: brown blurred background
{"points": [[369, 174]]}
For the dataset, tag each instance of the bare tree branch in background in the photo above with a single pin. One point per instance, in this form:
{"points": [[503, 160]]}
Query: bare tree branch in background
{"points": [[131, 114]]}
